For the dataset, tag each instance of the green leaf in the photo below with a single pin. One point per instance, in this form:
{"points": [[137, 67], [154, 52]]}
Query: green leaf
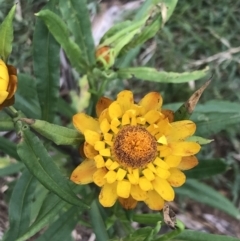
{"points": [[207, 168], [61, 229], [148, 218], [199, 140], [46, 64], [75, 13], [27, 97], [60, 32], [97, 221], [11, 169], [8, 147], [40, 164], [6, 33], [151, 74], [6, 123], [51, 207], [190, 235], [19, 206], [207, 195], [60, 135]]}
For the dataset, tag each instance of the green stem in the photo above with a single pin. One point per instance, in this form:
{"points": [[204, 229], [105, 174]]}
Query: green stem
{"points": [[11, 111]]}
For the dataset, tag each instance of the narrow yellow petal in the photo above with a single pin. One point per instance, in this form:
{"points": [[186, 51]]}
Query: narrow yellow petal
{"points": [[164, 150], [104, 125], [107, 136], [99, 145], [4, 76], [3, 96], [132, 179], [114, 110], [151, 101], [102, 104], [114, 165], [89, 150], [148, 174], [98, 177], [126, 119], [181, 130], [92, 137], [111, 176], [137, 193], [154, 201], [125, 99], [176, 178], [108, 195], [83, 122], [99, 161], [121, 173], [162, 140], [160, 163], [162, 173], [123, 188], [188, 162], [184, 148], [145, 184], [105, 152], [152, 116], [128, 203], [173, 161], [163, 188], [83, 174]]}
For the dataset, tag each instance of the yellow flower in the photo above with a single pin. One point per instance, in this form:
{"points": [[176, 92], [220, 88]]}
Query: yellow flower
{"points": [[8, 84], [135, 152]]}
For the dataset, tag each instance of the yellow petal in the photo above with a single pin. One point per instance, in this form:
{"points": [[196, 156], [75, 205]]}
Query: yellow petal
{"points": [[148, 174], [92, 137], [168, 114], [154, 201], [102, 104], [108, 194], [12, 85], [99, 161], [137, 193], [151, 101], [184, 148], [104, 115], [181, 130], [105, 152], [105, 125], [173, 161], [160, 163], [83, 174], [145, 184], [99, 145], [98, 177], [111, 176], [125, 99], [121, 173], [152, 116], [164, 150], [83, 122], [188, 162], [162, 173], [4, 76], [128, 203], [176, 178], [114, 110], [89, 150], [163, 188], [3, 96], [123, 188]]}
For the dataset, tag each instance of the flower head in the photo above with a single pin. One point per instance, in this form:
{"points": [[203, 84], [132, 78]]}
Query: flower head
{"points": [[135, 152], [8, 84]]}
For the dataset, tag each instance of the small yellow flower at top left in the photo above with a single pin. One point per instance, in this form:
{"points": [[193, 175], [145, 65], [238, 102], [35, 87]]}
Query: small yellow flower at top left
{"points": [[8, 84]]}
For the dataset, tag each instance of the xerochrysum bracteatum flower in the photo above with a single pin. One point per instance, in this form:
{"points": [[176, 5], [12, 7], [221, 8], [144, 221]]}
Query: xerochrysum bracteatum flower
{"points": [[135, 152], [8, 84]]}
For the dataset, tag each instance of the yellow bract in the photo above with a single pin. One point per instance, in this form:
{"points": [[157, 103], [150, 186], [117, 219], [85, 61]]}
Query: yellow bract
{"points": [[135, 152], [8, 84]]}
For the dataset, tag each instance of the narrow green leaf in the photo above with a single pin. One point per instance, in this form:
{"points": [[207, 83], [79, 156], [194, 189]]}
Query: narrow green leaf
{"points": [[8, 147], [190, 235], [27, 97], [19, 206], [60, 32], [40, 164], [61, 229], [151, 74], [11, 169], [75, 13], [6, 123], [199, 140], [97, 221], [207, 195], [6, 33], [149, 218], [51, 207], [60, 135], [207, 168], [46, 64]]}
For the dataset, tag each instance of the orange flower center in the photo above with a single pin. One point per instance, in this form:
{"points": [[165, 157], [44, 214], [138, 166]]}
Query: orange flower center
{"points": [[134, 147]]}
